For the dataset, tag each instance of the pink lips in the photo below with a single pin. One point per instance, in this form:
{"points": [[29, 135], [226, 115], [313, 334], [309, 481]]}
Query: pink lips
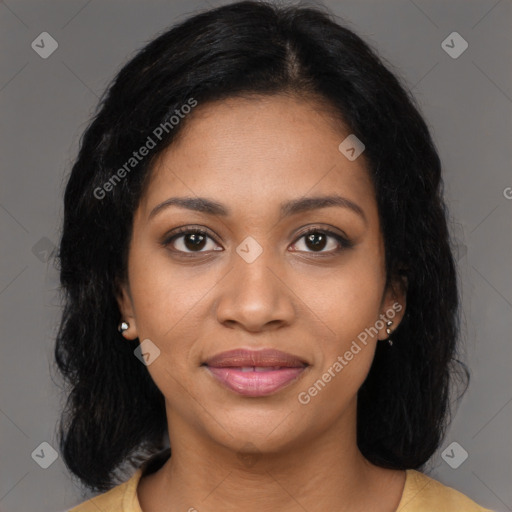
{"points": [[255, 373]]}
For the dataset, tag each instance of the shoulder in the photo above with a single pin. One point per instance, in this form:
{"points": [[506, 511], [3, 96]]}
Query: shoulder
{"points": [[122, 498], [424, 494]]}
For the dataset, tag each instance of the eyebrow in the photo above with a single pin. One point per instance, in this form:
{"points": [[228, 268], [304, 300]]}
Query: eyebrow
{"points": [[211, 207]]}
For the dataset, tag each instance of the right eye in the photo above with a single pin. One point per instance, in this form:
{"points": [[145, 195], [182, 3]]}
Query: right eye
{"points": [[189, 241]]}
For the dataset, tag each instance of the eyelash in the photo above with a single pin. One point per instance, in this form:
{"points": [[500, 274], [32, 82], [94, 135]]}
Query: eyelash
{"points": [[342, 241]]}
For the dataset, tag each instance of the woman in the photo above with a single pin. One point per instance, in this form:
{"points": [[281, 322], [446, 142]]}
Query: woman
{"points": [[258, 278]]}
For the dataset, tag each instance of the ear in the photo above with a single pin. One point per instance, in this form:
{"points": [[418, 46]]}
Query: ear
{"points": [[393, 305], [125, 303]]}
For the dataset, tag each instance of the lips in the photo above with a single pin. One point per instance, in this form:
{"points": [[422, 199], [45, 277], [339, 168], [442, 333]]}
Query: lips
{"points": [[266, 358], [255, 373]]}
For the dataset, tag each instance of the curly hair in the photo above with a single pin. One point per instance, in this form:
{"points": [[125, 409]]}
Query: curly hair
{"points": [[114, 414]]}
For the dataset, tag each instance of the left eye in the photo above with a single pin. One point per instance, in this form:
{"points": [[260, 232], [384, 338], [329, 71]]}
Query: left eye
{"points": [[317, 241]]}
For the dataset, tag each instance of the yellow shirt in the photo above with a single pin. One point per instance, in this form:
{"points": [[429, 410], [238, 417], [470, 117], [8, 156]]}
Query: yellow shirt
{"points": [[421, 494]]}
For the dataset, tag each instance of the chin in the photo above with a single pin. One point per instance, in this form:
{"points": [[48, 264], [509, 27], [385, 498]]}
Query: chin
{"points": [[268, 431]]}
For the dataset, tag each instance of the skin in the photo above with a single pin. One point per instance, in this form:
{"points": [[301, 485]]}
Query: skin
{"points": [[252, 154]]}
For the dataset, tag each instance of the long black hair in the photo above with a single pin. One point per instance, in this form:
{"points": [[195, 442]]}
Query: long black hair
{"points": [[115, 414]]}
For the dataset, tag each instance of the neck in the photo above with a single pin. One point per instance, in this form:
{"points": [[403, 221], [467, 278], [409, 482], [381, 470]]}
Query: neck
{"points": [[325, 471]]}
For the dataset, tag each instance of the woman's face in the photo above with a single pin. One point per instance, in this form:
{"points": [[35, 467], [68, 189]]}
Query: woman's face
{"points": [[256, 280]]}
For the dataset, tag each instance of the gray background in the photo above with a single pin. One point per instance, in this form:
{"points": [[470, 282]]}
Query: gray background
{"points": [[46, 103]]}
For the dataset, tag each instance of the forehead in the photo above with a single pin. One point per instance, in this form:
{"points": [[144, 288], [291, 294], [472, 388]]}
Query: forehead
{"points": [[259, 151]]}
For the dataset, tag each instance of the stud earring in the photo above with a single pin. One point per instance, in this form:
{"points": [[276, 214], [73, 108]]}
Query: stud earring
{"points": [[389, 323], [123, 326]]}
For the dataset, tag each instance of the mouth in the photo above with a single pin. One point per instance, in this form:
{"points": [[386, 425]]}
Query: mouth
{"points": [[255, 373]]}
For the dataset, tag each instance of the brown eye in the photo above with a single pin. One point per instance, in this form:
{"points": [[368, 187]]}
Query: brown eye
{"points": [[190, 240], [317, 240], [194, 241]]}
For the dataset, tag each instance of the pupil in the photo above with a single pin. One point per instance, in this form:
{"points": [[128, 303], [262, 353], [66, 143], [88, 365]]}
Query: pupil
{"points": [[197, 241], [317, 241]]}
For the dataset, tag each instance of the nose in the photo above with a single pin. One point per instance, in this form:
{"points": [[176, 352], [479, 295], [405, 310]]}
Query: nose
{"points": [[255, 296]]}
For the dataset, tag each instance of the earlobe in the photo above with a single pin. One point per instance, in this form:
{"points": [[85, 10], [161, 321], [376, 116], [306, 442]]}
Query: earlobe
{"points": [[127, 325], [394, 308]]}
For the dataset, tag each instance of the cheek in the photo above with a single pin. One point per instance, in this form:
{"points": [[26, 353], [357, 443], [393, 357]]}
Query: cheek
{"points": [[160, 295], [168, 306], [348, 301], [171, 303], [349, 296], [349, 306]]}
